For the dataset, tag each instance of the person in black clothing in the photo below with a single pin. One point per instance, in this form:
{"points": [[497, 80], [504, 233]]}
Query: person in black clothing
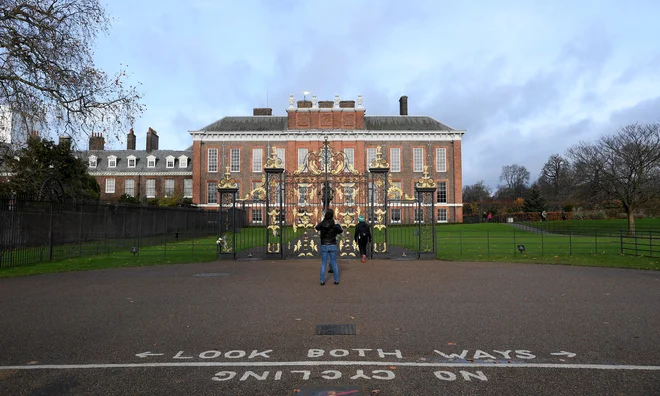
{"points": [[329, 231], [362, 237]]}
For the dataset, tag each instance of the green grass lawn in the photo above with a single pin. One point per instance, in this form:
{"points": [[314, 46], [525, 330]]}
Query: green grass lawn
{"points": [[490, 242], [596, 227]]}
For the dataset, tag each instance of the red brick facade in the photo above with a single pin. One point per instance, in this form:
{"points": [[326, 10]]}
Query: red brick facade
{"points": [[345, 127]]}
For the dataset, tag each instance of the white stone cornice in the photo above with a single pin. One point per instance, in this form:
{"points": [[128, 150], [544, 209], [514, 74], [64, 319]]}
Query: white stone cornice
{"points": [[134, 173], [340, 135]]}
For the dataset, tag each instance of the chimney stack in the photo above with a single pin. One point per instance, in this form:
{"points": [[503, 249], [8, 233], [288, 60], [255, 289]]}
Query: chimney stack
{"points": [[304, 104], [347, 104], [262, 111], [403, 106], [130, 140], [96, 141], [65, 140], [152, 140]]}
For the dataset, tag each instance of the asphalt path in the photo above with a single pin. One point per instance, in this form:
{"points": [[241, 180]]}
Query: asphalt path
{"points": [[248, 328]]}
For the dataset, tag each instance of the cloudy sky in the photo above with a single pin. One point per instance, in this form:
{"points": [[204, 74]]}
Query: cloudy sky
{"points": [[525, 79]]}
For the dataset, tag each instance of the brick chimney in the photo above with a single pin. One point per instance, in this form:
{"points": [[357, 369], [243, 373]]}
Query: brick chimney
{"points": [[152, 140], [96, 141], [262, 111], [304, 104], [65, 140], [130, 140], [403, 106], [347, 104]]}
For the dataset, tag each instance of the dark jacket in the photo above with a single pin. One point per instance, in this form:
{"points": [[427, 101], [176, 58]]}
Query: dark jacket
{"points": [[329, 231], [362, 228]]}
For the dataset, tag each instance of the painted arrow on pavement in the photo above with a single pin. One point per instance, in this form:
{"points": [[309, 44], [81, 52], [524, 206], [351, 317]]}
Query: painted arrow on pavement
{"points": [[564, 353], [145, 354]]}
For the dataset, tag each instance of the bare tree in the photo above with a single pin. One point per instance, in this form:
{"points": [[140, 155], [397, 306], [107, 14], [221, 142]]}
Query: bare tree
{"points": [[48, 78], [624, 166], [515, 178], [476, 192], [556, 179]]}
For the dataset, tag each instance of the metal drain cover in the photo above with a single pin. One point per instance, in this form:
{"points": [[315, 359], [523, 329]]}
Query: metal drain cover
{"points": [[328, 329], [211, 274]]}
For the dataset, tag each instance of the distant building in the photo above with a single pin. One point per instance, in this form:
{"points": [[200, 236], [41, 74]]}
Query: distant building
{"points": [[144, 174]]}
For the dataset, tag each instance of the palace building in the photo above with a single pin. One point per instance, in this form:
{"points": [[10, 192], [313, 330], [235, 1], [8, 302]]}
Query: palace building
{"points": [[410, 144]]}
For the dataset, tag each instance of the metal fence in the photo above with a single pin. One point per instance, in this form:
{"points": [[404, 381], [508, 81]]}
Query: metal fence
{"points": [[34, 231], [546, 238]]}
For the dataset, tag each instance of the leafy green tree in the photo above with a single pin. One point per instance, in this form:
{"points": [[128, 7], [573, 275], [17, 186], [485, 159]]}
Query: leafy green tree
{"points": [[128, 199], [534, 201], [42, 160]]}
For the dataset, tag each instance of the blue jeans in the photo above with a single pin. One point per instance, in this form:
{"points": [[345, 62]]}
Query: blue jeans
{"points": [[329, 252]]}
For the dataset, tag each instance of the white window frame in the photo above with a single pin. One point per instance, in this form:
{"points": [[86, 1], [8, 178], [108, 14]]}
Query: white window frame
{"points": [[302, 153], [371, 154], [440, 159], [257, 216], [110, 186], [446, 217], [151, 161], [129, 187], [395, 159], [303, 190], [187, 188], [350, 156], [92, 161], [441, 187], [348, 194], [183, 161], [392, 212], [281, 154], [131, 160], [212, 160], [211, 193], [235, 160], [418, 159], [169, 161], [169, 190], [150, 184], [257, 160], [112, 161]]}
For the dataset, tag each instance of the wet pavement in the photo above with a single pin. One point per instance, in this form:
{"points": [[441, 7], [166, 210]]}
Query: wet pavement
{"points": [[414, 328]]}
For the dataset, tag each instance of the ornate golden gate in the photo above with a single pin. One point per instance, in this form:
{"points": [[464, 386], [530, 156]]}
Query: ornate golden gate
{"points": [[293, 204]]}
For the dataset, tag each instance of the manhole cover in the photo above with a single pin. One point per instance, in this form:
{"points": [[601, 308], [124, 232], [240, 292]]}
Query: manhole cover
{"points": [[212, 274], [329, 390], [327, 329]]}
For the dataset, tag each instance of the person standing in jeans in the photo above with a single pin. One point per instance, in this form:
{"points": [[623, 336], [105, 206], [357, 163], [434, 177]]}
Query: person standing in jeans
{"points": [[329, 231]]}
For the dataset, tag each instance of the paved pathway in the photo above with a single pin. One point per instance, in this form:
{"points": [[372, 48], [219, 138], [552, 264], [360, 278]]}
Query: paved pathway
{"points": [[248, 328]]}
